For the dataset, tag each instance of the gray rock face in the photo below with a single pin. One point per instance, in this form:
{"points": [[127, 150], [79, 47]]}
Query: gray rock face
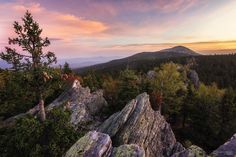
{"points": [[139, 124], [151, 74], [93, 144], [83, 104], [193, 151], [193, 76], [226, 150], [96, 144], [131, 150]]}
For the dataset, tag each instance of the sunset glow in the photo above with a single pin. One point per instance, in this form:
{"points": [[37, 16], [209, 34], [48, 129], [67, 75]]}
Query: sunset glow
{"points": [[85, 28]]}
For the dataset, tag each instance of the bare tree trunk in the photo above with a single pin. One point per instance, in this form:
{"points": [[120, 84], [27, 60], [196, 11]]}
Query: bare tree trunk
{"points": [[42, 113]]}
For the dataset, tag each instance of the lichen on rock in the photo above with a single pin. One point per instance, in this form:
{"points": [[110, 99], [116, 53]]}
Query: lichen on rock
{"points": [[131, 150], [139, 124], [93, 144], [192, 151]]}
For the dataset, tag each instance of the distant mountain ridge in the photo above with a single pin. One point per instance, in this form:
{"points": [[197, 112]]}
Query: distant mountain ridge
{"points": [[74, 62], [84, 62], [177, 51]]}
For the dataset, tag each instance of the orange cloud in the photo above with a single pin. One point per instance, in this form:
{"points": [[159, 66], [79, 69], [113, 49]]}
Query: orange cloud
{"points": [[208, 47], [55, 24]]}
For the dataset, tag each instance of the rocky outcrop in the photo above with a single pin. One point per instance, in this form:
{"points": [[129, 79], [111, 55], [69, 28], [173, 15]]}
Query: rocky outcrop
{"points": [[95, 144], [226, 150], [139, 124], [84, 107], [136, 131], [193, 76], [193, 151]]}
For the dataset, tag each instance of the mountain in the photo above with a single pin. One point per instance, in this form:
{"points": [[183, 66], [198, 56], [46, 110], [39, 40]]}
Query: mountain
{"points": [[175, 52]]}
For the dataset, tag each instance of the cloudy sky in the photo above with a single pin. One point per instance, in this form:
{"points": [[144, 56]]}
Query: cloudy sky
{"points": [[84, 28]]}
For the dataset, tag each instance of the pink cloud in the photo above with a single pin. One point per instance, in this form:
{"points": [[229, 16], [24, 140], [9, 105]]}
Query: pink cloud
{"points": [[55, 24]]}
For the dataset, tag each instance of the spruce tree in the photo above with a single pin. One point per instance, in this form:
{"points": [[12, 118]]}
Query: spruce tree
{"points": [[32, 59]]}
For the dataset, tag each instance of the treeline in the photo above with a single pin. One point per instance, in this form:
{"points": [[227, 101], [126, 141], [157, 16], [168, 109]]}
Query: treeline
{"points": [[198, 113], [211, 68]]}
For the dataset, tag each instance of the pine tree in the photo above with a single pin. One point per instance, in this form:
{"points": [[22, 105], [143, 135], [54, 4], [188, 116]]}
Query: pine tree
{"points": [[66, 68], [32, 60], [129, 87]]}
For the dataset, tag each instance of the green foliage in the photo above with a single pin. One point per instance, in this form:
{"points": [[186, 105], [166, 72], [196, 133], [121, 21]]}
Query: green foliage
{"points": [[169, 84], [30, 137], [202, 116], [110, 89], [168, 79], [17, 95], [118, 92], [92, 81], [227, 114], [129, 87], [210, 68], [66, 68]]}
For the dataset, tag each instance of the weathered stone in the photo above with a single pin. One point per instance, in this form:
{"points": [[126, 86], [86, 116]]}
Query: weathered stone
{"points": [[193, 76], [226, 150], [83, 104], [151, 74], [131, 150], [193, 151], [93, 144], [178, 147], [139, 124]]}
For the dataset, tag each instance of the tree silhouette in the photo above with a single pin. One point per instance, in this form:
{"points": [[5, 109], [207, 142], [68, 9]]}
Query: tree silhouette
{"points": [[32, 59]]}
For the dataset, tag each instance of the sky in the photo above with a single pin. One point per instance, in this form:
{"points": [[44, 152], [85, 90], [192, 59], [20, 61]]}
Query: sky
{"points": [[85, 28]]}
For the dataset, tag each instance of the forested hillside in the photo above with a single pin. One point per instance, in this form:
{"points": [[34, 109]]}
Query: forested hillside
{"points": [[211, 68]]}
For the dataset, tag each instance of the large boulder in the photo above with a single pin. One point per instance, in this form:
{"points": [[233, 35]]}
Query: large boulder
{"points": [[193, 151], [139, 124], [226, 150], [93, 144], [96, 144]]}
